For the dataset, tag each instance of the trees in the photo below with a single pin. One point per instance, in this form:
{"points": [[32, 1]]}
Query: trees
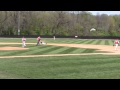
{"points": [[67, 23]]}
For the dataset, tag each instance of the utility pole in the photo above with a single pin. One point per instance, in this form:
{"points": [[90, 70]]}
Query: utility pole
{"points": [[18, 22]]}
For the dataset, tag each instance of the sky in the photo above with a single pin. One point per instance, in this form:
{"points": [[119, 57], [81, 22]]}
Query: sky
{"points": [[105, 12]]}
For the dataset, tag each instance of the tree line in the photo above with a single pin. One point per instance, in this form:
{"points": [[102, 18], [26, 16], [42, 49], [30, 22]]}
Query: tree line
{"points": [[65, 23]]}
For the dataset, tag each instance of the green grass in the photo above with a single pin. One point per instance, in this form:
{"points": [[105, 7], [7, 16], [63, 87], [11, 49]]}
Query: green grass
{"points": [[62, 67], [67, 67], [46, 49]]}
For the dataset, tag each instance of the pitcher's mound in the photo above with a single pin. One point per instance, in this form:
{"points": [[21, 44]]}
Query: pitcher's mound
{"points": [[13, 48]]}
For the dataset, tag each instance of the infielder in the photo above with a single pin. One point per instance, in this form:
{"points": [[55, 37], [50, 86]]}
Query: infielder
{"points": [[38, 41], [116, 42], [23, 41], [43, 43]]}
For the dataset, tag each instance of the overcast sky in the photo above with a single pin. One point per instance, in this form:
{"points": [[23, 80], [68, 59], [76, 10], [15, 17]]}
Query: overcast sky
{"points": [[105, 12]]}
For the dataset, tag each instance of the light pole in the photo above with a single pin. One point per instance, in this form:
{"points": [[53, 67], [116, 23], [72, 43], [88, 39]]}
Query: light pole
{"points": [[18, 22]]}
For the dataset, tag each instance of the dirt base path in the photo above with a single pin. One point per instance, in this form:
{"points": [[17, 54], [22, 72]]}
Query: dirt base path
{"points": [[12, 48], [106, 48]]}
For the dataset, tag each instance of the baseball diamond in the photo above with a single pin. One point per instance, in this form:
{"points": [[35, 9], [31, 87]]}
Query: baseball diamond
{"points": [[65, 58]]}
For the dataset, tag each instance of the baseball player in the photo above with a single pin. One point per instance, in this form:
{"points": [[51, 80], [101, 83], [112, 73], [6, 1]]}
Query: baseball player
{"points": [[54, 37], [43, 43], [23, 41], [116, 42], [38, 40]]}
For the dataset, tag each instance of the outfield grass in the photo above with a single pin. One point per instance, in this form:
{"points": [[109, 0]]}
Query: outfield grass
{"points": [[67, 67], [59, 40], [58, 67]]}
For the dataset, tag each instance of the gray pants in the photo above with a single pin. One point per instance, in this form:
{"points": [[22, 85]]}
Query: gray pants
{"points": [[38, 43]]}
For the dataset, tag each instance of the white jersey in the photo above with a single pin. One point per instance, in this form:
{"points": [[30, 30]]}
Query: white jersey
{"points": [[23, 39]]}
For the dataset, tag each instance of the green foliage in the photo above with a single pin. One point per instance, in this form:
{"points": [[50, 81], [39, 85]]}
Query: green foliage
{"points": [[59, 23]]}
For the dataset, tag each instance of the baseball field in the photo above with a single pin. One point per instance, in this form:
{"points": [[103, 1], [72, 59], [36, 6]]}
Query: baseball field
{"points": [[63, 58]]}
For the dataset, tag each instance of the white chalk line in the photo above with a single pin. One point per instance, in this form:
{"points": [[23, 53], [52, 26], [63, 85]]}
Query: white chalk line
{"points": [[51, 55]]}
